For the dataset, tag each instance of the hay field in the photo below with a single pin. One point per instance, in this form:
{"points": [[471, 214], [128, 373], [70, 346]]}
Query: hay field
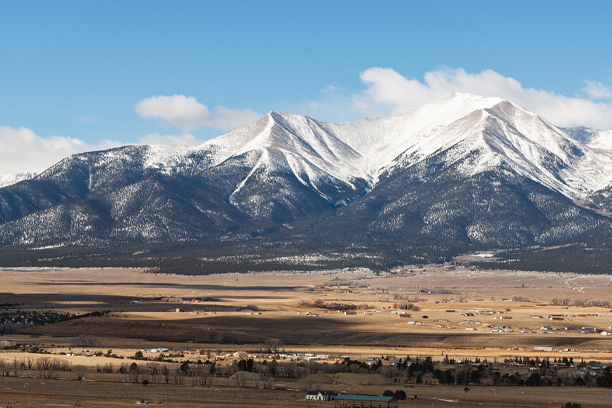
{"points": [[238, 312], [279, 297]]}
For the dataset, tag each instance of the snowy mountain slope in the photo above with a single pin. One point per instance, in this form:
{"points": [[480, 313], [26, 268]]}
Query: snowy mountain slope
{"points": [[302, 141], [365, 149], [92, 174], [537, 148], [154, 209], [464, 168], [382, 140], [597, 139], [442, 199], [10, 179]]}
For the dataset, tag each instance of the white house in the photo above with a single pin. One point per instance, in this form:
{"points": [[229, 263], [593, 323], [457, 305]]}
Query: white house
{"points": [[320, 395], [315, 395]]}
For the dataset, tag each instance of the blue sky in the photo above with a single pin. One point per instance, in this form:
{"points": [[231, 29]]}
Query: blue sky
{"points": [[79, 75]]}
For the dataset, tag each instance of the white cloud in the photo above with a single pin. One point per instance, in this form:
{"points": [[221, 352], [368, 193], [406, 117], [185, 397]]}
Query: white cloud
{"points": [[186, 113], [391, 93], [157, 139], [21, 150], [597, 90]]}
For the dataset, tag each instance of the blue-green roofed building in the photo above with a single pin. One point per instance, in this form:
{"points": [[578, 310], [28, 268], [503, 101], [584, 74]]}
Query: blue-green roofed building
{"points": [[369, 401]]}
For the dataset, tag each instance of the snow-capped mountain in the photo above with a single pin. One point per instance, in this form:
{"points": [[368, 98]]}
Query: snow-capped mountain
{"points": [[479, 171], [9, 179], [362, 150]]}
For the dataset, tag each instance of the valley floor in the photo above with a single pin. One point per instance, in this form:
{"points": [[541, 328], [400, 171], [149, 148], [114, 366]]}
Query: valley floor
{"points": [[330, 313]]}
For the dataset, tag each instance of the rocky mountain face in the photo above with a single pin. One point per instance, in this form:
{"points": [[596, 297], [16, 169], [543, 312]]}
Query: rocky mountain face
{"points": [[462, 170]]}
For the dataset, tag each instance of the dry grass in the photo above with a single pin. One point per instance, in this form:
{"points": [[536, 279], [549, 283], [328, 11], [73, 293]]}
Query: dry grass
{"points": [[226, 325]]}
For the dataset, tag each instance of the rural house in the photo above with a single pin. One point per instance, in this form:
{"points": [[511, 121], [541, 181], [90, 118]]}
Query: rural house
{"points": [[320, 395]]}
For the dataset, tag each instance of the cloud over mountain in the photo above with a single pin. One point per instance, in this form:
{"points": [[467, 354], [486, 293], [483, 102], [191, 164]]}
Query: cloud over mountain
{"points": [[186, 113], [389, 92], [22, 150]]}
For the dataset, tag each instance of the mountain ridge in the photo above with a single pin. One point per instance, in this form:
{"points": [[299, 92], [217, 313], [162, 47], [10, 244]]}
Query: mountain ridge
{"points": [[463, 171]]}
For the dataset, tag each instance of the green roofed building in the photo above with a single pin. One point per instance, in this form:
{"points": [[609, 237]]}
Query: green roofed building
{"points": [[364, 401]]}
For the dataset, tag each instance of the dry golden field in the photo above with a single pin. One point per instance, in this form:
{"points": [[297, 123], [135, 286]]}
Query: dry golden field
{"points": [[238, 312]]}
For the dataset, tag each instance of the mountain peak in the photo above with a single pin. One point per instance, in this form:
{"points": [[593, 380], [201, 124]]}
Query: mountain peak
{"points": [[471, 100], [463, 168]]}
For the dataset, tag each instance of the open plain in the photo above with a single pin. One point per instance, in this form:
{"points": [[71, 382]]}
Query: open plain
{"points": [[437, 311]]}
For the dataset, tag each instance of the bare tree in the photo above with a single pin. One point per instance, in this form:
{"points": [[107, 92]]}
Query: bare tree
{"points": [[306, 383], [240, 378], [598, 303], [85, 341], [43, 363], [107, 368], [4, 370], [165, 374], [80, 371], [177, 377], [202, 374], [273, 345], [15, 367]]}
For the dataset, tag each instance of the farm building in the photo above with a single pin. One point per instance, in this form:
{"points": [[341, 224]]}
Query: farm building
{"points": [[346, 400]]}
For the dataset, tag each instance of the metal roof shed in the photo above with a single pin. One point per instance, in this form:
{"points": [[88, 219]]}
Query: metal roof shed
{"points": [[364, 401]]}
